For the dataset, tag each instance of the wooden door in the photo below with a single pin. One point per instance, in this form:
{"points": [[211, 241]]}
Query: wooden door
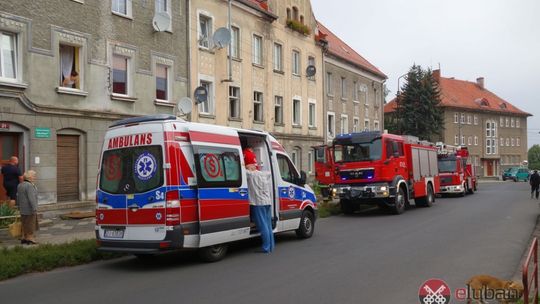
{"points": [[489, 168], [67, 174], [9, 146]]}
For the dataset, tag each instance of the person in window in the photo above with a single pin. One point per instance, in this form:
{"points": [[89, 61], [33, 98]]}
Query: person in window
{"points": [[534, 180], [72, 80], [260, 200], [27, 201], [12, 177]]}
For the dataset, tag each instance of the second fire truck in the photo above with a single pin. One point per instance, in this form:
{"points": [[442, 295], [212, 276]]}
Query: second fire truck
{"points": [[456, 174]]}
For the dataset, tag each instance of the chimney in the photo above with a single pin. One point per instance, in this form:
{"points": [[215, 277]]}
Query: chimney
{"points": [[480, 82], [437, 74]]}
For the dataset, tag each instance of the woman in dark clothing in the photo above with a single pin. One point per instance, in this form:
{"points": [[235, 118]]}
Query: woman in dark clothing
{"points": [[27, 202]]}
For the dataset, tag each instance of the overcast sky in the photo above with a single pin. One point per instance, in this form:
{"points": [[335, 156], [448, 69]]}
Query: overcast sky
{"points": [[495, 39]]}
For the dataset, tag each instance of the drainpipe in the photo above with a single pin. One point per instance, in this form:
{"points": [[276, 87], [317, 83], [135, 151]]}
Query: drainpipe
{"points": [[188, 47], [230, 44]]}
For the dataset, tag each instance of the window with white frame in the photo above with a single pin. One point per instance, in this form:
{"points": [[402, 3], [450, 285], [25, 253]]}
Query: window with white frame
{"points": [[508, 142], [475, 120], [162, 82], [355, 95], [311, 62], [165, 7], [329, 87], [469, 141], [343, 88], [331, 125], [366, 125], [356, 124], [518, 142], [122, 7], [476, 140], [344, 124], [278, 57], [296, 63], [205, 31], [364, 94], [278, 110], [235, 42], [297, 110], [310, 162], [469, 119], [376, 125], [456, 118], [463, 140], [512, 123], [207, 107], [502, 142], [462, 121], [456, 140], [70, 66], [501, 122], [234, 102], [8, 56], [258, 106], [518, 123], [512, 142], [507, 122], [295, 157], [491, 137], [257, 50], [120, 74], [312, 112]]}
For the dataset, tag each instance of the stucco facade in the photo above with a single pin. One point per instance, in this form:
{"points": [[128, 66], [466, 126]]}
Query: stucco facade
{"points": [[46, 112], [266, 91]]}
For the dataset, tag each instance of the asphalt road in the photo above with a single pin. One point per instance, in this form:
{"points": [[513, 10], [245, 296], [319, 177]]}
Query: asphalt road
{"points": [[368, 258]]}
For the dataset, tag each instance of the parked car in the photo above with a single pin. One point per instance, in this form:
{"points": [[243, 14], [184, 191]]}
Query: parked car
{"points": [[516, 174]]}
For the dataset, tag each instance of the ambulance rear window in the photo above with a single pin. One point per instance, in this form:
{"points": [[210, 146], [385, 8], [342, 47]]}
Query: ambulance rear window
{"points": [[131, 170]]}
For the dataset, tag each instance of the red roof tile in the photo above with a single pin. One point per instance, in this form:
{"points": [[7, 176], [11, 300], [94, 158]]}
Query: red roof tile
{"points": [[339, 48], [468, 95]]}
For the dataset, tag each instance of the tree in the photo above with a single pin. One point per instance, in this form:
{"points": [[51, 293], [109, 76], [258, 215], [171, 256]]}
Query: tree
{"points": [[534, 157], [418, 112]]}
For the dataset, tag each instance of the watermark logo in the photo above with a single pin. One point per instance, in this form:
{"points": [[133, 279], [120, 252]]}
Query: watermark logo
{"points": [[434, 291]]}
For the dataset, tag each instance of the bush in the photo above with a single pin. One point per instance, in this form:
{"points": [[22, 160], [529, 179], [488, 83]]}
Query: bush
{"points": [[298, 26], [6, 211], [19, 260]]}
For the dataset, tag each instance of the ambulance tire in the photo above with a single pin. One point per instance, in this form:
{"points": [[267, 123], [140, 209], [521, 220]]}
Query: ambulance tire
{"points": [[399, 202], [307, 225], [428, 200], [347, 206], [214, 253]]}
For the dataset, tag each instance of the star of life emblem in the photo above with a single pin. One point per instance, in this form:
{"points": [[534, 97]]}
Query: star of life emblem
{"points": [[145, 166]]}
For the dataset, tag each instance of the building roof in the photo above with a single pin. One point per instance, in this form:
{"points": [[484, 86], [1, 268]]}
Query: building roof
{"points": [[467, 95], [261, 6], [342, 50]]}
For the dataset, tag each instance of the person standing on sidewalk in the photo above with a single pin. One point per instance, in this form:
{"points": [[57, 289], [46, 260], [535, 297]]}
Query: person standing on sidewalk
{"points": [[534, 180], [260, 200], [27, 201], [12, 178]]}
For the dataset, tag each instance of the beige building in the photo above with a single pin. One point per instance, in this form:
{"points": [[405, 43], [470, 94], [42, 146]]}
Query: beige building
{"points": [[71, 67], [266, 87], [494, 130]]}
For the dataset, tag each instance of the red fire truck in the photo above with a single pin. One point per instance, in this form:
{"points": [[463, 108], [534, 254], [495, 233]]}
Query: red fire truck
{"points": [[374, 168], [456, 174]]}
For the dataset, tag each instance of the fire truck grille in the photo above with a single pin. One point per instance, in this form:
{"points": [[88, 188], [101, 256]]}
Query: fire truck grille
{"points": [[446, 180], [357, 174]]}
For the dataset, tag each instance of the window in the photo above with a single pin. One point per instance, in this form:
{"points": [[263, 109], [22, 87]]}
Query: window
{"points": [[258, 106], [355, 91], [491, 137], [207, 107], [502, 122], [356, 124], [518, 123], [456, 140], [343, 88], [462, 121], [475, 120], [278, 110], [234, 102], [120, 75], [502, 142], [518, 142], [331, 125], [456, 118], [162, 82], [295, 13], [476, 140], [235, 42], [288, 13], [312, 114], [257, 50], [310, 162], [508, 142], [463, 140], [512, 123], [344, 124], [205, 31], [121, 7], [287, 170], [469, 119], [507, 122], [226, 162], [469, 141], [69, 66], [295, 157], [297, 119], [296, 63], [512, 142], [376, 125], [488, 146], [488, 129], [8, 56], [329, 87], [366, 125], [311, 62], [366, 112], [165, 6], [278, 57]]}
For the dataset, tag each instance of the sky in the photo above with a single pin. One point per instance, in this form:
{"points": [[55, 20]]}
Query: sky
{"points": [[495, 39]]}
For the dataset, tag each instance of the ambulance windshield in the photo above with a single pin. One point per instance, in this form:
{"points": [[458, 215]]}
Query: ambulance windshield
{"points": [[131, 170], [356, 152]]}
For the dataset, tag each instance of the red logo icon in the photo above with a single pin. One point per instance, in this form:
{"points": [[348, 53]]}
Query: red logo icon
{"points": [[434, 291]]}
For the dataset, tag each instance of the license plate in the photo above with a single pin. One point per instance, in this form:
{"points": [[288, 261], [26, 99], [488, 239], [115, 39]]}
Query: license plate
{"points": [[114, 233]]}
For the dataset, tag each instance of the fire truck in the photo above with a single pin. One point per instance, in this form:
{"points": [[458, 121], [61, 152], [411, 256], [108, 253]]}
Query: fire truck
{"points": [[375, 168], [456, 174]]}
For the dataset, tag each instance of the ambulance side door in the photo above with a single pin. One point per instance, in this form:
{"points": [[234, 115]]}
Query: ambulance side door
{"points": [[290, 194]]}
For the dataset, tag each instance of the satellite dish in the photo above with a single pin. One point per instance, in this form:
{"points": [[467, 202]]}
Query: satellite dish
{"points": [[201, 95], [311, 71], [222, 37], [161, 21], [185, 106]]}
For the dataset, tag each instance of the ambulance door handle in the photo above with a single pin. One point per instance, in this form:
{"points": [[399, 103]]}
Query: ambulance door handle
{"points": [[243, 192]]}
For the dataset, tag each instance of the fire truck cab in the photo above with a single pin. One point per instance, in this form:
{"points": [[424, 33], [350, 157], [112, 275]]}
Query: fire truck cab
{"points": [[167, 184], [456, 173]]}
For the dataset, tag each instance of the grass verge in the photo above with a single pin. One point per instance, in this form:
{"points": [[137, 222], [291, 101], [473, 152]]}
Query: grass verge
{"points": [[327, 209], [18, 260]]}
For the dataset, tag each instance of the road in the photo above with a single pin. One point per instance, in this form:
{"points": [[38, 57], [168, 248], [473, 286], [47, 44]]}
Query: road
{"points": [[368, 258]]}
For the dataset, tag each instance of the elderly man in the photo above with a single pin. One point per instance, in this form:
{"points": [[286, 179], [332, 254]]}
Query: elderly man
{"points": [[12, 177]]}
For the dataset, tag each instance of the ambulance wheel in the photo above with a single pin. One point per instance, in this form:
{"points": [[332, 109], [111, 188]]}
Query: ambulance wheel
{"points": [[346, 206], [399, 202], [428, 200], [213, 253], [307, 225]]}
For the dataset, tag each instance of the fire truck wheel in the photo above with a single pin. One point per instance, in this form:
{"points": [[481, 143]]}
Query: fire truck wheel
{"points": [[307, 225], [213, 253], [472, 189], [428, 200], [399, 202], [464, 186], [346, 206]]}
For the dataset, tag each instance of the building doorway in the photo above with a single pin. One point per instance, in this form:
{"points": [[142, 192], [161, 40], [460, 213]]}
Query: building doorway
{"points": [[9, 146], [67, 174]]}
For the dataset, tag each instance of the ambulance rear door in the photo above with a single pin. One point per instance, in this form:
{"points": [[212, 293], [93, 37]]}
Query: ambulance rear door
{"points": [[223, 200]]}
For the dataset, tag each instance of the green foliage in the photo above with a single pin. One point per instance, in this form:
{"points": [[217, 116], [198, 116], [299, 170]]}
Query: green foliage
{"points": [[6, 211], [534, 157], [298, 26], [327, 208], [418, 112], [20, 260]]}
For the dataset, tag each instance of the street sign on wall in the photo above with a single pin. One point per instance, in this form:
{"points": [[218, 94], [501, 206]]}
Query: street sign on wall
{"points": [[43, 133]]}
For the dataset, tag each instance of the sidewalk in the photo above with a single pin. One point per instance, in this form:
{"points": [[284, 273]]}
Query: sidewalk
{"points": [[54, 230]]}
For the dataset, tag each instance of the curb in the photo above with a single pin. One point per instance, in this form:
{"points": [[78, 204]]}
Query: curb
{"points": [[67, 205]]}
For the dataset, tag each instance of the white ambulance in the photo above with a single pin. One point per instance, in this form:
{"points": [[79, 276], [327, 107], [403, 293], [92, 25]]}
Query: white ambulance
{"points": [[167, 184]]}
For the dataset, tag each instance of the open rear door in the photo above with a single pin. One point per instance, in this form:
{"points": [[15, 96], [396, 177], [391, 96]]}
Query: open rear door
{"points": [[222, 187]]}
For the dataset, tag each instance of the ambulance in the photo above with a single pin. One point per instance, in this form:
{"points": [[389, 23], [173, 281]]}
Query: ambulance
{"points": [[166, 184]]}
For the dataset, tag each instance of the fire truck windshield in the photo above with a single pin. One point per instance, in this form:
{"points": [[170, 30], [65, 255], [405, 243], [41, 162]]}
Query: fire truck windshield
{"points": [[356, 152], [447, 165]]}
